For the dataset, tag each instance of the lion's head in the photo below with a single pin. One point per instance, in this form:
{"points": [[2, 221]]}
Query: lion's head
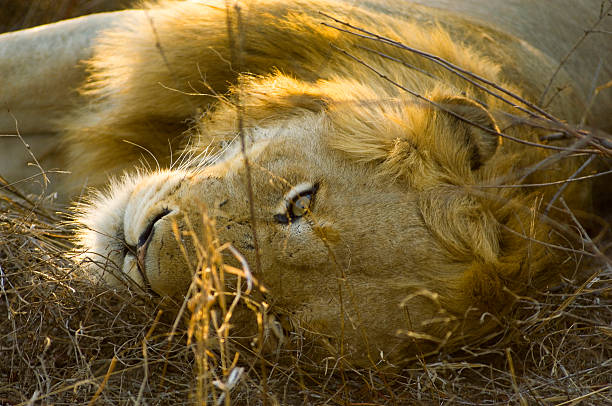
{"points": [[372, 226]]}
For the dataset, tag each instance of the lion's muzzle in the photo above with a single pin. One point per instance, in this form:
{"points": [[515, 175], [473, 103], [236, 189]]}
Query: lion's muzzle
{"points": [[144, 241]]}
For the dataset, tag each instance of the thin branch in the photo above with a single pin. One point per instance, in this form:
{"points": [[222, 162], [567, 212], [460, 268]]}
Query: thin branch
{"points": [[29, 149], [599, 32], [458, 116], [537, 111], [602, 16], [160, 49], [567, 182], [438, 60], [237, 47], [558, 182], [462, 76]]}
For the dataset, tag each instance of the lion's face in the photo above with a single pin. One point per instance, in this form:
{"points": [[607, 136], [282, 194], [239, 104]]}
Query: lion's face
{"points": [[371, 226], [332, 237]]}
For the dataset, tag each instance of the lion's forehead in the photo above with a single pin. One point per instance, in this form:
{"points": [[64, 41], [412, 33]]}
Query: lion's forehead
{"points": [[255, 141], [283, 137]]}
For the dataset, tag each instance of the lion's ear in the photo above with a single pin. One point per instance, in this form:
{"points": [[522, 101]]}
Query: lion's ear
{"points": [[478, 129]]}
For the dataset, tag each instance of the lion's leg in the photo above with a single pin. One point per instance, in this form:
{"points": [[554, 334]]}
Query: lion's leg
{"points": [[40, 71]]}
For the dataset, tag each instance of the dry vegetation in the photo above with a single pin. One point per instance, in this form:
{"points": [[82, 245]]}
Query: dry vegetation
{"points": [[67, 341], [64, 340]]}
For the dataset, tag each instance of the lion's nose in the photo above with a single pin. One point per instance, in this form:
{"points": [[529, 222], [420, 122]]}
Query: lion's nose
{"points": [[145, 239]]}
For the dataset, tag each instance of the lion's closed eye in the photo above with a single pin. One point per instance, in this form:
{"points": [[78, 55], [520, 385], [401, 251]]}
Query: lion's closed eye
{"points": [[297, 203]]}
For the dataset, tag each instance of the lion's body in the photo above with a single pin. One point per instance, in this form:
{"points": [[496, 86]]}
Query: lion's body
{"points": [[405, 238]]}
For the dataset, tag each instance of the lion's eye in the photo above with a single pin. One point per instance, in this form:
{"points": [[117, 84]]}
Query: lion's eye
{"points": [[297, 203], [301, 205]]}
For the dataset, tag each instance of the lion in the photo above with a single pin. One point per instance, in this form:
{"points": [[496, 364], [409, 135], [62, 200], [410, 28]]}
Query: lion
{"points": [[364, 160]]}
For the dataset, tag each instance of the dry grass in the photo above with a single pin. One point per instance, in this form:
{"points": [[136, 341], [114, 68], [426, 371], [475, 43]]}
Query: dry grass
{"points": [[67, 341], [64, 340]]}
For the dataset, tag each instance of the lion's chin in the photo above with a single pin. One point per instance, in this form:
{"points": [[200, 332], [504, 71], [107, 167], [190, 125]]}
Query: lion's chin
{"points": [[131, 272]]}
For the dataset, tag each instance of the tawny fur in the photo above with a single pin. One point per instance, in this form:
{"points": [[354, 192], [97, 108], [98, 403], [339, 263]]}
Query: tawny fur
{"points": [[400, 222]]}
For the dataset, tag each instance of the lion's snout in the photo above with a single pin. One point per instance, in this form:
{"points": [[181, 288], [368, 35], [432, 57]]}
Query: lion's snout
{"points": [[157, 234], [144, 241]]}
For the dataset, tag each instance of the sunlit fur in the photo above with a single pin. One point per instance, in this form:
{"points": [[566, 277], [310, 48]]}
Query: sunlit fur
{"points": [[403, 246]]}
